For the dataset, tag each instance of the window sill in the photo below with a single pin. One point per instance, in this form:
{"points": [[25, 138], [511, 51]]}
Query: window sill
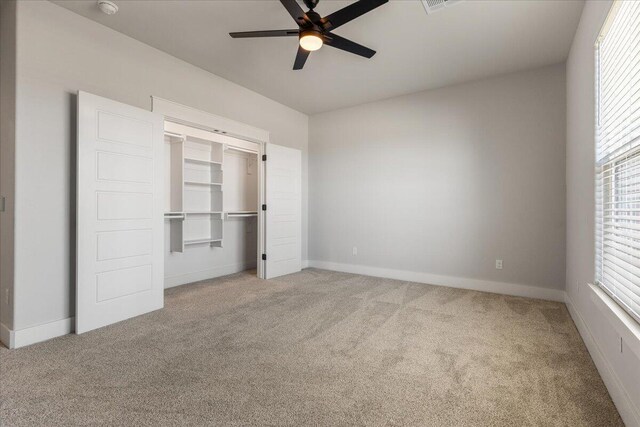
{"points": [[624, 324]]}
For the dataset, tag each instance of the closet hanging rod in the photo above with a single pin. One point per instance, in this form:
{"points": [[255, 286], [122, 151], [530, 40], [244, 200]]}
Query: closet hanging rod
{"points": [[241, 214]]}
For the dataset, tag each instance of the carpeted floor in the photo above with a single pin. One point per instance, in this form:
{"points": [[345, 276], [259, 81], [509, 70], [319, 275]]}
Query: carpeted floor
{"points": [[315, 348]]}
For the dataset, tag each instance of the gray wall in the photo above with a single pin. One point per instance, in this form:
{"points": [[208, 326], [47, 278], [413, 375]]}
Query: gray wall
{"points": [[446, 181], [7, 150], [60, 53], [580, 170]]}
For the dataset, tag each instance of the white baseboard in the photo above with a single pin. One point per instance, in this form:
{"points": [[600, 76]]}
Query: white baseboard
{"points": [[305, 264], [36, 334], [628, 410], [452, 282], [6, 336], [195, 276]]}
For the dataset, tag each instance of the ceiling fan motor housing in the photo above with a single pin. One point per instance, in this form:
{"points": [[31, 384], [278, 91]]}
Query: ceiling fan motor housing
{"points": [[311, 4], [314, 17]]}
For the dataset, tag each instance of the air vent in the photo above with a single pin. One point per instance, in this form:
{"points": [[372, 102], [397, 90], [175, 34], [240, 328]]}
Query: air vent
{"points": [[432, 6]]}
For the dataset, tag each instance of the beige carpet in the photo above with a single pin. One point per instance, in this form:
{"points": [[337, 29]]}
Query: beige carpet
{"points": [[315, 348]]}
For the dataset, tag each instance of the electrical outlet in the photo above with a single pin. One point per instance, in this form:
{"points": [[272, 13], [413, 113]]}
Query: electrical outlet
{"points": [[355, 251], [6, 297], [498, 264]]}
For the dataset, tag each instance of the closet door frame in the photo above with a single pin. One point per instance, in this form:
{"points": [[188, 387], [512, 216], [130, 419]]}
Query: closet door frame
{"points": [[184, 115], [262, 199]]}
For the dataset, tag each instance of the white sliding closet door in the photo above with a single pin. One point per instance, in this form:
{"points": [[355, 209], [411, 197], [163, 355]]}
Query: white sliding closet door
{"points": [[283, 215], [120, 230]]}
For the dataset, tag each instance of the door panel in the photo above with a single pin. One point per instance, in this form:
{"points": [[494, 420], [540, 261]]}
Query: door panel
{"points": [[119, 212], [122, 167], [284, 205], [124, 244]]}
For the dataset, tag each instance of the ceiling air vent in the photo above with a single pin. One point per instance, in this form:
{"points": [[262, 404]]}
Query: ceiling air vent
{"points": [[432, 6]]}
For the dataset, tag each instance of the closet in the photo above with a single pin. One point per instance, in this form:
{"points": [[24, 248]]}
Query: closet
{"points": [[173, 196], [211, 204]]}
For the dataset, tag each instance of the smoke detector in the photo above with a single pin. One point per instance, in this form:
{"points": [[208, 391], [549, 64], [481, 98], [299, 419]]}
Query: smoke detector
{"points": [[108, 7], [431, 6]]}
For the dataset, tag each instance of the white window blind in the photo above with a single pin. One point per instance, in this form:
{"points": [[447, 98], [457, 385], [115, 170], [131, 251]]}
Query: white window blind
{"points": [[618, 156]]}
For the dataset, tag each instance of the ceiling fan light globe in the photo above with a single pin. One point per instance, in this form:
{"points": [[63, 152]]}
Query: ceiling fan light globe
{"points": [[310, 42]]}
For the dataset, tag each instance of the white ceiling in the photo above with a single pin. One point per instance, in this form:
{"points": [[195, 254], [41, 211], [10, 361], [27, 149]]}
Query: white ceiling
{"points": [[470, 40]]}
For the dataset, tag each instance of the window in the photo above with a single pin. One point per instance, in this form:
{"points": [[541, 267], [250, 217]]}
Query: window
{"points": [[618, 156]]}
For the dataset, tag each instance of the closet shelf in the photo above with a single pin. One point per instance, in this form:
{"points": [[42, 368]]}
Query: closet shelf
{"points": [[178, 214], [203, 213], [244, 150], [203, 183], [174, 215], [201, 241], [174, 135], [201, 161]]}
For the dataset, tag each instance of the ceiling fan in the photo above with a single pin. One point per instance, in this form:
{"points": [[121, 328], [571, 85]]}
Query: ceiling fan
{"points": [[314, 31]]}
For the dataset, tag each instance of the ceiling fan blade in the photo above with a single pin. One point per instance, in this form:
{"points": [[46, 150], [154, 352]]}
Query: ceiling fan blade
{"points": [[349, 13], [295, 11], [268, 33], [301, 58], [338, 42]]}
